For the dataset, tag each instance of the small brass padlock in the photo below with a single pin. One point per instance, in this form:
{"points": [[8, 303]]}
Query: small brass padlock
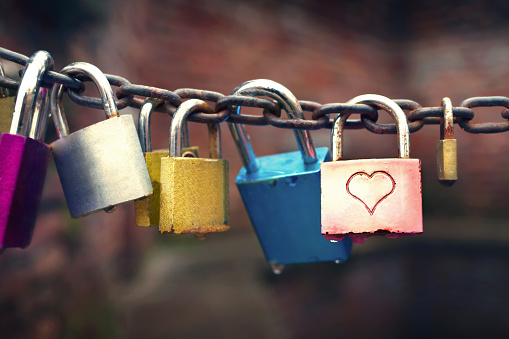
{"points": [[447, 158], [194, 191], [6, 107], [147, 209]]}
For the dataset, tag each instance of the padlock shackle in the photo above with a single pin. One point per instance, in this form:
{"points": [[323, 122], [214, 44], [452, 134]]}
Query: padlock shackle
{"points": [[144, 123], [178, 125], [59, 120], [39, 116], [144, 134], [384, 103], [285, 98], [103, 86], [3, 90], [447, 123], [26, 99]]}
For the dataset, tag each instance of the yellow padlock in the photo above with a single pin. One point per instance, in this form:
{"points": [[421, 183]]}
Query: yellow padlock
{"points": [[194, 191], [147, 209]]}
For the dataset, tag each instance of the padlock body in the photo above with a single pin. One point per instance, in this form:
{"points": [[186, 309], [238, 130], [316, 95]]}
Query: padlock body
{"points": [[23, 166], [194, 195], [283, 202], [6, 113], [371, 197], [447, 161], [101, 166], [147, 209]]}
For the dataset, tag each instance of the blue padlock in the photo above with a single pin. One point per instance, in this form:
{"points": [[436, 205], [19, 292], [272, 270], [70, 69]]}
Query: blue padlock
{"points": [[281, 192]]}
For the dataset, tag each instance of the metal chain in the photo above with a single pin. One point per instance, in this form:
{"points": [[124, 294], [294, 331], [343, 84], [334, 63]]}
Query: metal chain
{"points": [[320, 117]]}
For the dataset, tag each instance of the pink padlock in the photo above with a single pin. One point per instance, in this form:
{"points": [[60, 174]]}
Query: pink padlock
{"points": [[367, 197]]}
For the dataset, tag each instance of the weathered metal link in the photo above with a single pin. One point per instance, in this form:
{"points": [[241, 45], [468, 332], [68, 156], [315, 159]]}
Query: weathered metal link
{"points": [[9, 83], [50, 77], [229, 102], [13, 56], [201, 117], [295, 123], [191, 93], [486, 127], [248, 119], [149, 92], [391, 128], [438, 112], [309, 106], [336, 108], [163, 108], [97, 103], [312, 106], [209, 118], [245, 101]]}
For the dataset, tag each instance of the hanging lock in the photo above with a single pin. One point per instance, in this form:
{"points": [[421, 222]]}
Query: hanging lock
{"points": [[194, 191], [6, 107], [24, 159], [447, 158], [362, 198], [147, 209], [100, 166], [281, 192]]}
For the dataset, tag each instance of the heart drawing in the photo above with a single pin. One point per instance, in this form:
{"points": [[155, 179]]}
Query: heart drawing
{"points": [[372, 189]]}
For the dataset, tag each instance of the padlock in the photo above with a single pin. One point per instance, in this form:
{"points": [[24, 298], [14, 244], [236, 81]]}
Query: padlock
{"points": [[6, 107], [281, 192], [362, 198], [447, 160], [147, 209], [23, 161], [100, 166], [194, 191]]}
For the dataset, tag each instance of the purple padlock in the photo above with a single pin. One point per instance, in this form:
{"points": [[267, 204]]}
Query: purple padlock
{"points": [[23, 159]]}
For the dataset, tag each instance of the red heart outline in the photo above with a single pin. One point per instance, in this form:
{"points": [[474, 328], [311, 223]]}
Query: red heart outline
{"points": [[370, 176]]}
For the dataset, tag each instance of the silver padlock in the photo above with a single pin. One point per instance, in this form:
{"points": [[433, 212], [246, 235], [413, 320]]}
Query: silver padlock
{"points": [[102, 165]]}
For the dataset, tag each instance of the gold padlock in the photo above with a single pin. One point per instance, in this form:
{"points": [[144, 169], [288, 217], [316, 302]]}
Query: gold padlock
{"points": [[6, 107], [194, 191], [147, 209], [447, 162]]}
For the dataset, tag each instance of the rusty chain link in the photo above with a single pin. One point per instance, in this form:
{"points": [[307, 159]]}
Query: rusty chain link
{"points": [[128, 95]]}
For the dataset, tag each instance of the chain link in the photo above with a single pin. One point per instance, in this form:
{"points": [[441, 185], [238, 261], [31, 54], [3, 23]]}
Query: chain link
{"points": [[223, 105]]}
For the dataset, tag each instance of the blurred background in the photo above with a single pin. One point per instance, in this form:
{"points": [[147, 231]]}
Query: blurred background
{"points": [[104, 277]]}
